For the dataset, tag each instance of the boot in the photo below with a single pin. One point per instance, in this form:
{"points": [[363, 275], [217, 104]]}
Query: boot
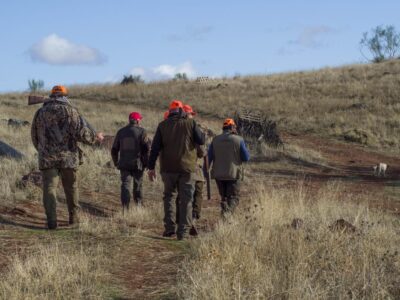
{"points": [[73, 218], [52, 225]]}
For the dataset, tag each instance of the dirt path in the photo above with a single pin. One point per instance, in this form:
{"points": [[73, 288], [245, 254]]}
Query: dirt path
{"points": [[145, 266]]}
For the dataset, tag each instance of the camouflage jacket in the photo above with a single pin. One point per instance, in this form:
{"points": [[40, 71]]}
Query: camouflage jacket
{"points": [[57, 127]]}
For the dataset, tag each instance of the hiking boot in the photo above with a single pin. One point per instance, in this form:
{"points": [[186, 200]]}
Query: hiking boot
{"points": [[52, 225], [193, 231], [168, 234], [73, 218]]}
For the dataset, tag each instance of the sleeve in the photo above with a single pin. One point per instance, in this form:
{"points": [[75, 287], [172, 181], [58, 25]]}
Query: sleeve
{"points": [[210, 154], [115, 149], [34, 134], [155, 149], [244, 153], [201, 151], [84, 131], [198, 136], [145, 149]]}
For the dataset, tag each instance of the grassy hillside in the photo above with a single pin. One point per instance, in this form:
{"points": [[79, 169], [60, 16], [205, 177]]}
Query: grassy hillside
{"points": [[359, 103], [124, 257]]}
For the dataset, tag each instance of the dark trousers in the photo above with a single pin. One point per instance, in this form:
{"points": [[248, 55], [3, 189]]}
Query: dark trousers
{"points": [[126, 185], [229, 192], [182, 184], [197, 200]]}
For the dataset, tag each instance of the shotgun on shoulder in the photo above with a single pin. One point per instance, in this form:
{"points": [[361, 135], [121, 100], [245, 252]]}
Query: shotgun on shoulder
{"points": [[37, 99]]}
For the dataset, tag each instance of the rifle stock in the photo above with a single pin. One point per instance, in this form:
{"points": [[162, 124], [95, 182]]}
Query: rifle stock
{"points": [[206, 170], [36, 99]]}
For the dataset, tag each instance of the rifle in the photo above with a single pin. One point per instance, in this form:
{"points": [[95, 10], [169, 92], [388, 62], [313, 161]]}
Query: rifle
{"points": [[36, 99], [206, 170]]}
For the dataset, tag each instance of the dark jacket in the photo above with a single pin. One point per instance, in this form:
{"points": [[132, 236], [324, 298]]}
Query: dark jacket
{"points": [[175, 140], [226, 153], [131, 148], [56, 130]]}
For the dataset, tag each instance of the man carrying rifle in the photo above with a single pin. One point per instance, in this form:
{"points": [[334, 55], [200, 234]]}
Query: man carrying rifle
{"points": [[226, 154], [56, 130]]}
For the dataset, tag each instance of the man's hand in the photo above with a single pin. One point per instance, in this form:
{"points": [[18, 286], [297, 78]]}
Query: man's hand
{"points": [[100, 136], [152, 175]]}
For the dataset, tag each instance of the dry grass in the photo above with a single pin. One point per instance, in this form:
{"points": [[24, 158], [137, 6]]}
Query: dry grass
{"points": [[128, 223], [254, 255], [321, 102], [58, 271], [257, 255]]}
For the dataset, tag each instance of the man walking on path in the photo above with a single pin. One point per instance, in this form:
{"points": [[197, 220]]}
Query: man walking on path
{"points": [[130, 154], [175, 141], [198, 178], [57, 127], [226, 153]]}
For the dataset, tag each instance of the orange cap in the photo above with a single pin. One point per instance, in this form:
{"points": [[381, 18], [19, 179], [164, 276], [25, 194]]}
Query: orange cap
{"points": [[229, 122], [175, 104], [188, 109], [166, 114], [59, 90]]}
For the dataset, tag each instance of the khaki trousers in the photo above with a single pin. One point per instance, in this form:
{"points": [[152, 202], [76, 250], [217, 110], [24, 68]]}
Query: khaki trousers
{"points": [[70, 185]]}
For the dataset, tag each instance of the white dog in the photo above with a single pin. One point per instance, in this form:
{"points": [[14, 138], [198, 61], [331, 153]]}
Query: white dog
{"points": [[380, 169]]}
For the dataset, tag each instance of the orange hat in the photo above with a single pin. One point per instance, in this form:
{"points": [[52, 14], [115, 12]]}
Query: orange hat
{"points": [[59, 90], [175, 104], [229, 122], [188, 109], [166, 114]]}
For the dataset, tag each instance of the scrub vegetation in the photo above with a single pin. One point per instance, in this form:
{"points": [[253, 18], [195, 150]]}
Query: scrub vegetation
{"points": [[335, 123]]}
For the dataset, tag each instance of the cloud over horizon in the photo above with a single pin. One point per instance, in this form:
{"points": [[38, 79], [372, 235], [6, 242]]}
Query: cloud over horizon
{"points": [[164, 71], [55, 50], [310, 37]]}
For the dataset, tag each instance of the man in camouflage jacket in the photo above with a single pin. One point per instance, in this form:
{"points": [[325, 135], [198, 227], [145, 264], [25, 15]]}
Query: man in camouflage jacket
{"points": [[57, 127]]}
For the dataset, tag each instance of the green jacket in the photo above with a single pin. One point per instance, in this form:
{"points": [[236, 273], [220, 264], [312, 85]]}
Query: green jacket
{"points": [[175, 141]]}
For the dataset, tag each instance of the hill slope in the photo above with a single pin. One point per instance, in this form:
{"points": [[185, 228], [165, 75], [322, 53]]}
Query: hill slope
{"points": [[359, 103]]}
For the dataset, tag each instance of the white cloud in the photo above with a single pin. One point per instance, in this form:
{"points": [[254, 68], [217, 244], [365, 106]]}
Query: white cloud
{"points": [[164, 72], [310, 37], [55, 50]]}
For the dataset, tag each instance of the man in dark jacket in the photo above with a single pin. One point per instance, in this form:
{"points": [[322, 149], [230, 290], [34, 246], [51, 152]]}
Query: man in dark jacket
{"points": [[226, 153], [175, 141], [57, 127], [130, 153]]}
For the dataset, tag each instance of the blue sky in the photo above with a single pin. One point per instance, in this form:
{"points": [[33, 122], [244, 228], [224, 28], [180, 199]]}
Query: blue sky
{"points": [[77, 42]]}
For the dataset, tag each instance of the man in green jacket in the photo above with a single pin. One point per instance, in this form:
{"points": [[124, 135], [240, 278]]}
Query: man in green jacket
{"points": [[56, 130], [226, 154], [175, 141]]}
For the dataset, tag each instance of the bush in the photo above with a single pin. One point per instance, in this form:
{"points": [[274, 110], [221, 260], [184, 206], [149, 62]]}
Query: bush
{"points": [[383, 43], [130, 79], [180, 77], [35, 85]]}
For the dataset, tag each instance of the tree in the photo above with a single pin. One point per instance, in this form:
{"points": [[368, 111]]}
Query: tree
{"points": [[382, 43], [130, 79], [35, 85], [180, 76]]}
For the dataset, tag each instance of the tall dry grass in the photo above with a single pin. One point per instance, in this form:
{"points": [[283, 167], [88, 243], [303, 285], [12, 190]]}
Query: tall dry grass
{"points": [[57, 271], [256, 254]]}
